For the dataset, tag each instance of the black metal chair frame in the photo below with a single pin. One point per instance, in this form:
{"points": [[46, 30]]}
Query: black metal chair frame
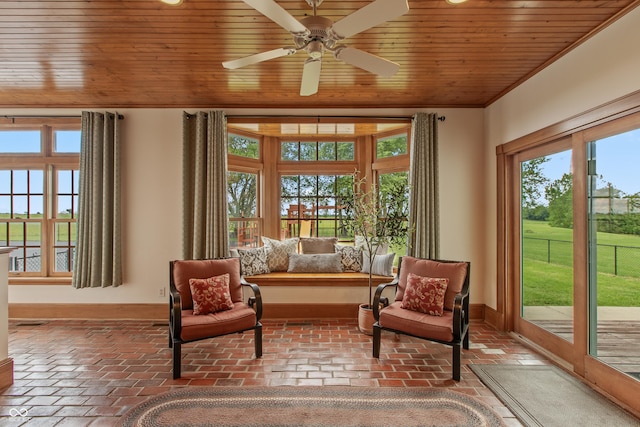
{"points": [[460, 319], [175, 321]]}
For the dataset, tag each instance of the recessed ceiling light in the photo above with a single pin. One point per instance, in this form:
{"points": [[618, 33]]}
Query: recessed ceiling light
{"points": [[172, 2], [456, 1]]}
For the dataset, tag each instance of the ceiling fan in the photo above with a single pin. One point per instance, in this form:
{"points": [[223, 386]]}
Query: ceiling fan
{"points": [[316, 34]]}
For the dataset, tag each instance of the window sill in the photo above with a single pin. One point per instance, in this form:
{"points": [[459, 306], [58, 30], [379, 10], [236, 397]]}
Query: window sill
{"points": [[33, 280]]}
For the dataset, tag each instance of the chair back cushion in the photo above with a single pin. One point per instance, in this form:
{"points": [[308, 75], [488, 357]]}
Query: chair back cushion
{"points": [[183, 270], [456, 272]]}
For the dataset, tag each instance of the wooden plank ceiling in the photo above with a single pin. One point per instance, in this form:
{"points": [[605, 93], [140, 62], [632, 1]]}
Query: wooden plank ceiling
{"points": [[144, 53]]}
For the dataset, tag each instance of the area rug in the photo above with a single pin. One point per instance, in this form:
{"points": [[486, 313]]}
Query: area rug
{"points": [[310, 406], [548, 396]]}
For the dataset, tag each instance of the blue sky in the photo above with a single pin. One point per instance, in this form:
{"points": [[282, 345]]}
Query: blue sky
{"points": [[617, 160]]}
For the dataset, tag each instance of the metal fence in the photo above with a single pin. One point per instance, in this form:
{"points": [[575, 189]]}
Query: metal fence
{"points": [[33, 261], [618, 260]]}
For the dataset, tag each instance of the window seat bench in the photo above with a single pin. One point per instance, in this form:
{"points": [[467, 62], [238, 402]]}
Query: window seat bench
{"points": [[314, 295], [283, 278]]}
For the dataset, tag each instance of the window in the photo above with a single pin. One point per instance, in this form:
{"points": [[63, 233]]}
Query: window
{"points": [[242, 194], [244, 146], [392, 146], [39, 177], [243, 179], [396, 185], [317, 151], [289, 179], [313, 205]]}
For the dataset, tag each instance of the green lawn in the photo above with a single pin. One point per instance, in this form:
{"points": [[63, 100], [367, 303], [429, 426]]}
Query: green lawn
{"points": [[551, 283]]}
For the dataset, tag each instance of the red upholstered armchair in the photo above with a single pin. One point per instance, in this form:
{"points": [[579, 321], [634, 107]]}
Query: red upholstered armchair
{"points": [[424, 306], [215, 307]]}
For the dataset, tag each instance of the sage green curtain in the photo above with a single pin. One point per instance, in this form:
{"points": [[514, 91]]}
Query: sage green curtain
{"points": [[98, 260], [424, 216], [205, 218]]}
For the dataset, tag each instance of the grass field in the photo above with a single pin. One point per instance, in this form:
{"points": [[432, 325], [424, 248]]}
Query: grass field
{"points": [[551, 283]]}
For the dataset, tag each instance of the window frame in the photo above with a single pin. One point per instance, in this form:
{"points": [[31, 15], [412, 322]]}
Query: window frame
{"points": [[49, 162], [242, 164], [270, 167]]}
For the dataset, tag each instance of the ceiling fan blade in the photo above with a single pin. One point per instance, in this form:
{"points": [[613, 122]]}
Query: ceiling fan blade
{"points": [[277, 14], [259, 57], [369, 16], [367, 61], [310, 76]]}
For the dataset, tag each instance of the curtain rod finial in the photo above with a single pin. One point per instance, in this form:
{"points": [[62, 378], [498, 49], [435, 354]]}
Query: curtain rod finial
{"points": [[442, 118]]}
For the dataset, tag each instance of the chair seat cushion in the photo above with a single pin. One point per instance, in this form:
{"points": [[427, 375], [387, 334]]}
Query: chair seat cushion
{"points": [[194, 327], [418, 324]]}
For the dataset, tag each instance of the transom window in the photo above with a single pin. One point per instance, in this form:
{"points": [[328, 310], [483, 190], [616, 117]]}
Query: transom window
{"points": [[244, 146], [391, 146], [317, 151]]}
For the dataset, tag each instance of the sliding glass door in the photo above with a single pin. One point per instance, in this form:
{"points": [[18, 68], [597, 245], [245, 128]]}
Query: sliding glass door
{"points": [[569, 248], [614, 250], [546, 241]]}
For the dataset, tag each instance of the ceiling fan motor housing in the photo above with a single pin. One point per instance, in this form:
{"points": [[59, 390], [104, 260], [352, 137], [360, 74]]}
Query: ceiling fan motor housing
{"points": [[318, 38]]}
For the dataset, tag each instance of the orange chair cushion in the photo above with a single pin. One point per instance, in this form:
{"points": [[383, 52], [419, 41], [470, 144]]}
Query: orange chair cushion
{"points": [[456, 272], [240, 318], [425, 294], [183, 270], [418, 324], [211, 295]]}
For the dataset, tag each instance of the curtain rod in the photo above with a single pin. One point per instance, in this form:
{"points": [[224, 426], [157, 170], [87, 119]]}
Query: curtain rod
{"points": [[317, 117], [232, 116], [120, 116]]}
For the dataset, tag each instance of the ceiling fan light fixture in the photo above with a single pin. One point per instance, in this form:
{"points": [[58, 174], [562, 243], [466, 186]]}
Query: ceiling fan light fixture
{"points": [[455, 1], [315, 49], [172, 2]]}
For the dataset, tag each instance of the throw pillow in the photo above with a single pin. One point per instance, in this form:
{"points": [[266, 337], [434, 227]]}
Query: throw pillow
{"points": [[382, 264], [210, 295], [253, 261], [425, 294], [315, 263], [351, 257], [318, 245], [278, 252], [360, 242]]}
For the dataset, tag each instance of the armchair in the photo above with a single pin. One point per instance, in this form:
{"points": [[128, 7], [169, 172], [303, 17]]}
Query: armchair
{"points": [[450, 328], [207, 318]]}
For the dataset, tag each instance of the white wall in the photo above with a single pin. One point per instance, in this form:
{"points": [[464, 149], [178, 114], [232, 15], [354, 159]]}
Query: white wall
{"points": [[604, 68], [152, 188]]}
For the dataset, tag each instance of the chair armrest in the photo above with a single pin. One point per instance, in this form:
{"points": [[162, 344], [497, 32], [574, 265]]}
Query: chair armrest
{"points": [[175, 312], [379, 299], [256, 300], [460, 314]]}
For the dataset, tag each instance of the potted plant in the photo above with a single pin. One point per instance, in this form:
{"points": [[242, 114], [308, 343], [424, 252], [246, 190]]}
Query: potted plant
{"points": [[378, 218]]}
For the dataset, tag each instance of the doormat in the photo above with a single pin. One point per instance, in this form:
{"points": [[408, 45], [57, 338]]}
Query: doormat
{"points": [[545, 395]]}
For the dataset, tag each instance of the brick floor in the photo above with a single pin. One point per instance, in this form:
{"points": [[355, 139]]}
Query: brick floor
{"points": [[89, 372]]}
